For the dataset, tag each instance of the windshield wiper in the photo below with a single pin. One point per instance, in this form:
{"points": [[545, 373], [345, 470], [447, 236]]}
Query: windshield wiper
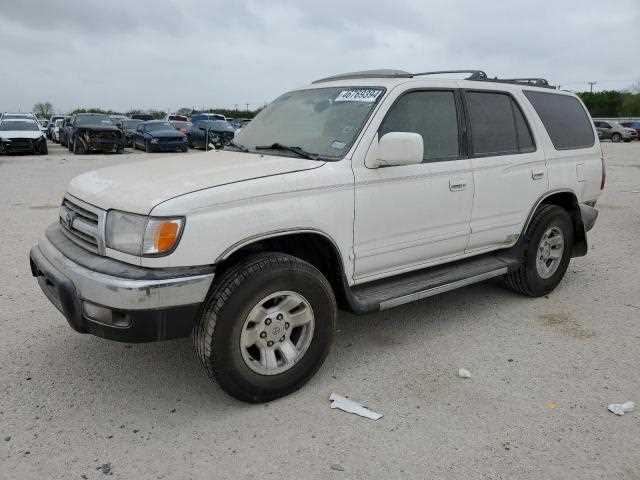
{"points": [[242, 148], [297, 150]]}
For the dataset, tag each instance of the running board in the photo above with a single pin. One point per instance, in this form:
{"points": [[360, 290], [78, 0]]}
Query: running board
{"points": [[405, 288]]}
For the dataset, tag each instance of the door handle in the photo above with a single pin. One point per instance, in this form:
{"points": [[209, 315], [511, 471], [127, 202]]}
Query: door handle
{"points": [[537, 175], [457, 185]]}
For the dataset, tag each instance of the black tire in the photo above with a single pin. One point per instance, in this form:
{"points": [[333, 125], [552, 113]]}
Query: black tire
{"points": [[147, 146], [120, 149], [616, 137], [44, 149], [185, 149], [216, 334], [190, 143], [79, 147], [526, 279]]}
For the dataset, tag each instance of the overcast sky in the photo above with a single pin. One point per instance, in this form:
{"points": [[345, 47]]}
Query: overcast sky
{"points": [[152, 54]]}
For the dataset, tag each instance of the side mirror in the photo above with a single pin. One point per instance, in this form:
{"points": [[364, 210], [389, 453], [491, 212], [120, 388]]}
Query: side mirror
{"points": [[397, 149]]}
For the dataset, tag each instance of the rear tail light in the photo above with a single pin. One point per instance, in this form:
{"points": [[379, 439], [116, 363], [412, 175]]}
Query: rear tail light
{"points": [[604, 172]]}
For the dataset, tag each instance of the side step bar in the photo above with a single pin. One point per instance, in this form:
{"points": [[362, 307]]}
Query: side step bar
{"points": [[429, 292], [408, 287]]}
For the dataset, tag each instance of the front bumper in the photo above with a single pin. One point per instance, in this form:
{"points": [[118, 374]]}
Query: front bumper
{"points": [[168, 146], [114, 300]]}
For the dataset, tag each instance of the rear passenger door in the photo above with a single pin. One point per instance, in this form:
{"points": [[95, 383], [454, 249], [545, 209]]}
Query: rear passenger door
{"points": [[509, 171]]}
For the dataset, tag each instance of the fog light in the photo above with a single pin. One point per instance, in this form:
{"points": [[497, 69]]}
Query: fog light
{"points": [[105, 315]]}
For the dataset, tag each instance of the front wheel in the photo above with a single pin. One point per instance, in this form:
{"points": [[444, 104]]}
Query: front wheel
{"points": [[616, 137], [548, 245], [266, 327]]}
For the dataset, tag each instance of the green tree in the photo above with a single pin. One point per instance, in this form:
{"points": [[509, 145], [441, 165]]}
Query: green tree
{"points": [[43, 109]]}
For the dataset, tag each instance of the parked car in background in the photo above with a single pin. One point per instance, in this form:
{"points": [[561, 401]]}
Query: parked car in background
{"points": [[65, 130], [632, 124], [610, 130], [207, 116], [22, 135], [205, 133], [181, 126], [55, 131], [174, 117], [95, 132], [129, 127], [51, 124], [159, 136], [142, 116]]}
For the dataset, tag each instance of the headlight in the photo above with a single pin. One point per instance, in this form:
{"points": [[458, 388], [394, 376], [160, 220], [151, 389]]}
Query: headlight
{"points": [[142, 235], [154, 140]]}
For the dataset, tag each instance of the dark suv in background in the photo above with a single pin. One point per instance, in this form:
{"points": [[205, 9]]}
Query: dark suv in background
{"points": [[94, 132]]}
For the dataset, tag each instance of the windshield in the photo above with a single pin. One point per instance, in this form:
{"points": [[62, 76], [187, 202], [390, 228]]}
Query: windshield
{"points": [[94, 120], [322, 121], [151, 127], [18, 125], [132, 123], [17, 115], [207, 116]]}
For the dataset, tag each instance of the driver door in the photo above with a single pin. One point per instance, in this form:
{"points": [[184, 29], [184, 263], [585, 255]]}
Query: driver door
{"points": [[409, 217]]}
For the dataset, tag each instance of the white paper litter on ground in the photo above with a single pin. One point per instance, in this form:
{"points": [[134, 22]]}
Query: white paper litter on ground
{"points": [[346, 405], [464, 373], [621, 408]]}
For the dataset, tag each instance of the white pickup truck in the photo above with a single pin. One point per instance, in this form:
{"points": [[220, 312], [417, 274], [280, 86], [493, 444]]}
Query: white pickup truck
{"points": [[361, 191]]}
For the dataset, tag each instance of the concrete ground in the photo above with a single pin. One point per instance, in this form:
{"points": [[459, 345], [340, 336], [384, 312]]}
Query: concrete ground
{"points": [[543, 370]]}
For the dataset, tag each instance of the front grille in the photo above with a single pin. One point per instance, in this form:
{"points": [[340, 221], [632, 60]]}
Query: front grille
{"points": [[108, 136], [20, 145], [169, 139], [82, 223]]}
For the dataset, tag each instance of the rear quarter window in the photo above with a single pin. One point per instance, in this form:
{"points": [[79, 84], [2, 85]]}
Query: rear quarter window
{"points": [[564, 118]]}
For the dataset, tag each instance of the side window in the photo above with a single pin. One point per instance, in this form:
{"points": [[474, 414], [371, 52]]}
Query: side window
{"points": [[564, 118], [498, 126], [433, 115]]}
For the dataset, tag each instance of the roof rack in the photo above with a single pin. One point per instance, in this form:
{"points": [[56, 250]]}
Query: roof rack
{"points": [[476, 75]]}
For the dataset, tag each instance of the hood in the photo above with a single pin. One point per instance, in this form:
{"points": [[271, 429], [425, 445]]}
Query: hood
{"points": [[21, 134], [138, 187], [168, 133]]}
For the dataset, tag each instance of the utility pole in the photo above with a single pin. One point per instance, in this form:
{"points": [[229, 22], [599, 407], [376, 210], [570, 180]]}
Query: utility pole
{"points": [[591, 84], [247, 106]]}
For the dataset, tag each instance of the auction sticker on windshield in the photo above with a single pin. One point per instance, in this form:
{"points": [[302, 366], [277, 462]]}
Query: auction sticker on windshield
{"points": [[366, 95]]}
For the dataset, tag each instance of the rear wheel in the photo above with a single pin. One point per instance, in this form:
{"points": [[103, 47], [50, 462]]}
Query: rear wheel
{"points": [[147, 146], [616, 137], [44, 150], [548, 244], [266, 327]]}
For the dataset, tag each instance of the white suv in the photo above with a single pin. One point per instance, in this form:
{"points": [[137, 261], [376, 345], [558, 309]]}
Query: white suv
{"points": [[364, 191]]}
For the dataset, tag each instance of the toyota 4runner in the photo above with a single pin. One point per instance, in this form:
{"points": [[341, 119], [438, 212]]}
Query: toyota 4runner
{"points": [[361, 191]]}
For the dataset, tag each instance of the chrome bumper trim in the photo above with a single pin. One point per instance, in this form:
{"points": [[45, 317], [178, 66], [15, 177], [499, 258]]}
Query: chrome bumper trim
{"points": [[127, 294]]}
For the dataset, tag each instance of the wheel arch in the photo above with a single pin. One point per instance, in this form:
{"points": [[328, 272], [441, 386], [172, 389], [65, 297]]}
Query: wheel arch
{"points": [[311, 245], [568, 200]]}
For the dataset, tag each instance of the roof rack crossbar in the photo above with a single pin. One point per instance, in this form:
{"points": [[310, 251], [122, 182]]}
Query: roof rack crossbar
{"points": [[475, 74]]}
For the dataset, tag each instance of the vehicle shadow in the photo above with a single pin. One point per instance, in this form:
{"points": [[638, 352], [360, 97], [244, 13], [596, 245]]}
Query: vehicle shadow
{"points": [[159, 376]]}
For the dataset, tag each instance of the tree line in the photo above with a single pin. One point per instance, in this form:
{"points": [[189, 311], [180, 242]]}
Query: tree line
{"points": [[612, 103], [46, 110], [608, 103]]}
